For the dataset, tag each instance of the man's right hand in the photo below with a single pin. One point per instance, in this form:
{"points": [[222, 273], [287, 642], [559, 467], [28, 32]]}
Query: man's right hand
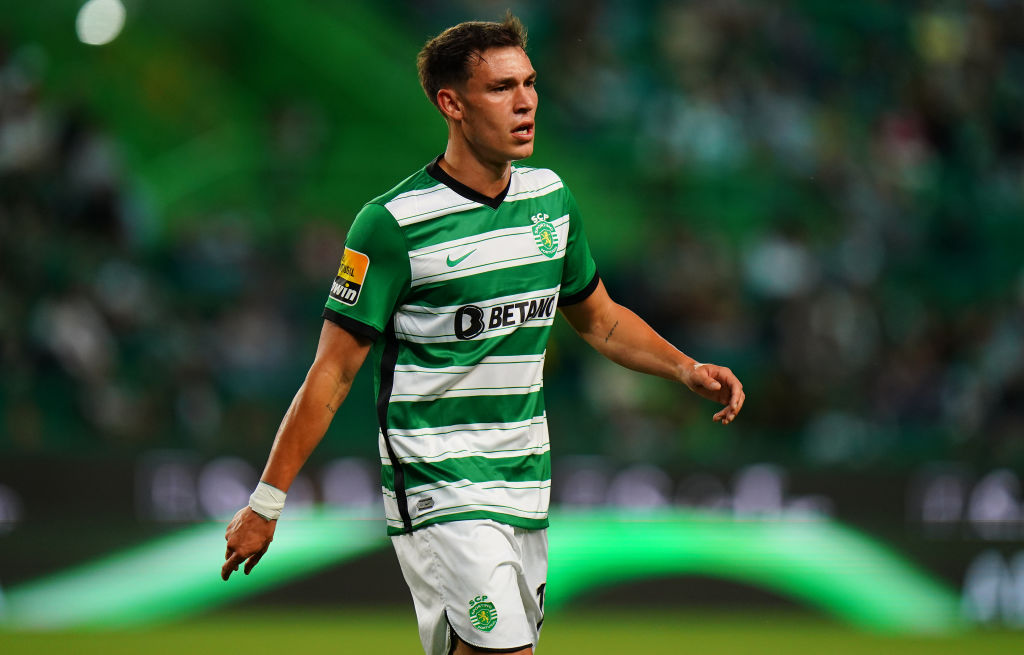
{"points": [[339, 354], [248, 536]]}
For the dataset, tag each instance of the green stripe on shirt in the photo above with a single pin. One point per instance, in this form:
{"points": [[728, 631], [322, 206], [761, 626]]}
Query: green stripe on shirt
{"points": [[528, 468]]}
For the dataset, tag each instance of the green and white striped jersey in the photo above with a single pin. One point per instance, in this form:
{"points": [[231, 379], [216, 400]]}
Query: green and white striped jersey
{"points": [[459, 292]]}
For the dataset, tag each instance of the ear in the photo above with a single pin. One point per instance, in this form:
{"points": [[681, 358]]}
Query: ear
{"points": [[450, 104]]}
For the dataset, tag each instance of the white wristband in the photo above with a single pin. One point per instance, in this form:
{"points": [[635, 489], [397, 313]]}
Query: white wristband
{"points": [[267, 501]]}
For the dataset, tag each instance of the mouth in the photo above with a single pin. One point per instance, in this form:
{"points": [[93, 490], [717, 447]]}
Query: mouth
{"points": [[524, 131]]}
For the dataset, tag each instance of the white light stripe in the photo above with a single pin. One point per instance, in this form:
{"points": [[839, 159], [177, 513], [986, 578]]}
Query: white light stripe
{"points": [[532, 183], [493, 440], [414, 312], [437, 512], [422, 205], [487, 334], [490, 251], [423, 324], [543, 191], [496, 375], [523, 499], [455, 453], [465, 242], [507, 485], [493, 359], [419, 192], [444, 430]]}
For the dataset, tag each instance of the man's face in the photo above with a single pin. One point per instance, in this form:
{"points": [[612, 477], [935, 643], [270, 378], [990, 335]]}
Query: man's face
{"points": [[499, 103]]}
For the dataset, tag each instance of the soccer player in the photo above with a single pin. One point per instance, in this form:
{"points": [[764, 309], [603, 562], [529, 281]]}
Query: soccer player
{"points": [[450, 282]]}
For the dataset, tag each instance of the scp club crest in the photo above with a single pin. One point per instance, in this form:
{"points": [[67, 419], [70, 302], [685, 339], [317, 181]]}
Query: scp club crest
{"points": [[544, 234], [482, 614]]}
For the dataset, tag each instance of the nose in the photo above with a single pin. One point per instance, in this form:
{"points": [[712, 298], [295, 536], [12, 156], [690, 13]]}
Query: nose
{"points": [[525, 100]]}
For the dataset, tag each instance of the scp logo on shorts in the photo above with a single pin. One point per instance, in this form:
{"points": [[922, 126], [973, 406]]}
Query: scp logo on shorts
{"points": [[351, 274], [482, 614]]}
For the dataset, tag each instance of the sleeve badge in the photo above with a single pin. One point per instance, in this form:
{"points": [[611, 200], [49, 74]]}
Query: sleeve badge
{"points": [[351, 274]]}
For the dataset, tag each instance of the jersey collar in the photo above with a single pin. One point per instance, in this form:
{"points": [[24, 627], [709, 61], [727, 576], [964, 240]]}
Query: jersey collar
{"points": [[435, 171]]}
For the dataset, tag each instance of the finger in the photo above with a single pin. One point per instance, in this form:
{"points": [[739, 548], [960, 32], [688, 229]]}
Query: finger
{"points": [[738, 399], [732, 392], [736, 390], [732, 398], [728, 414], [705, 379], [231, 565], [254, 560]]}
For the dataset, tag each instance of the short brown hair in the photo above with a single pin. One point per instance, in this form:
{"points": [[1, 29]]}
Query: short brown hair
{"points": [[445, 59]]}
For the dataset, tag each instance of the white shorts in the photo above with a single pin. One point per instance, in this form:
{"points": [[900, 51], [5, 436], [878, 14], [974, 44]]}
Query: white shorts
{"points": [[478, 579]]}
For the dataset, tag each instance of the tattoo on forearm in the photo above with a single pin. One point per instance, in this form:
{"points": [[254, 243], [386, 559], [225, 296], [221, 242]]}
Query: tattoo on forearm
{"points": [[611, 332]]}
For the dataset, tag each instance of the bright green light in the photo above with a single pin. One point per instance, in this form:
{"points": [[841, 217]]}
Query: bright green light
{"points": [[179, 574], [817, 562]]}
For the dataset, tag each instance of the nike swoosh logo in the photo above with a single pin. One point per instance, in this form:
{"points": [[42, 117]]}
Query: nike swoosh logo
{"points": [[456, 262]]}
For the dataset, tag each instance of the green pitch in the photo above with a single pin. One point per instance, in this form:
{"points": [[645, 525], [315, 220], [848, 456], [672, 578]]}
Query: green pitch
{"points": [[605, 631]]}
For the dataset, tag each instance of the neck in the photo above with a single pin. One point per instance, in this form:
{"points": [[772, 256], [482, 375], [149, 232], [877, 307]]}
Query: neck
{"points": [[488, 178]]}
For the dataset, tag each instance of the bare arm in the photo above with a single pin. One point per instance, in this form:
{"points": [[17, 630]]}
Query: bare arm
{"points": [[338, 358], [626, 339]]}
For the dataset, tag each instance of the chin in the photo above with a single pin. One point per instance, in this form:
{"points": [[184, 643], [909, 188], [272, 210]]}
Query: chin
{"points": [[522, 152]]}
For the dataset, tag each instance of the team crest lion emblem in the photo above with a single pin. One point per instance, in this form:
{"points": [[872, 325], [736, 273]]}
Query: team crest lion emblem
{"points": [[482, 614], [544, 234]]}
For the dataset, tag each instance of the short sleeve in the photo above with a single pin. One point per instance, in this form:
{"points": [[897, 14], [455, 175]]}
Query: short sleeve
{"points": [[373, 275], [579, 272]]}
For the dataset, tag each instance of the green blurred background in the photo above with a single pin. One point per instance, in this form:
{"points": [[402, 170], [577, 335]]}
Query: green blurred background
{"points": [[827, 197]]}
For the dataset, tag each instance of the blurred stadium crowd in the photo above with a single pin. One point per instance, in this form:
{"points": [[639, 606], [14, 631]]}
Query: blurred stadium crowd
{"points": [[834, 194]]}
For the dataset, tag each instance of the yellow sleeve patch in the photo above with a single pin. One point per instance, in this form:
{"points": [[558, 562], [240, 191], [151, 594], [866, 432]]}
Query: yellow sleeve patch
{"points": [[351, 274]]}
